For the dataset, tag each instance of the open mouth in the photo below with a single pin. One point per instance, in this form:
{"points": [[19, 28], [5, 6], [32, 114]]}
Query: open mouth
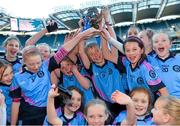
{"points": [[13, 52], [132, 58], [74, 106], [139, 109], [69, 72], [161, 49]]}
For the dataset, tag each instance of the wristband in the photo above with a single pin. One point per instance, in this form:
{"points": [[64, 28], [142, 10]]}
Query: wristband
{"points": [[116, 44], [51, 28]]}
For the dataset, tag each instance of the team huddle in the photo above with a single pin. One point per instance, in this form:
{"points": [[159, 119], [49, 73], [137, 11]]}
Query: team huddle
{"points": [[136, 82]]}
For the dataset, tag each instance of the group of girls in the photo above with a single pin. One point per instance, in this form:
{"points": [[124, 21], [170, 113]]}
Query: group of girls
{"points": [[97, 77]]}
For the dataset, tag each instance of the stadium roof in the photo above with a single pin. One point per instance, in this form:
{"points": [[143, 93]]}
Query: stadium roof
{"points": [[67, 15]]}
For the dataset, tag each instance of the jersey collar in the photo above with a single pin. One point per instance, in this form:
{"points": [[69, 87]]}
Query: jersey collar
{"points": [[145, 117], [13, 62], [105, 62], [25, 70], [2, 84], [171, 55], [68, 120], [138, 63]]}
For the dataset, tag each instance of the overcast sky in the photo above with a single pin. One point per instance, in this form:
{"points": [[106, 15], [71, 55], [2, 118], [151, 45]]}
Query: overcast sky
{"points": [[41, 8], [34, 8]]}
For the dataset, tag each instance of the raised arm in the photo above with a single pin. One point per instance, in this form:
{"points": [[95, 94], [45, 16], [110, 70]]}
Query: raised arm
{"points": [[51, 112], [52, 26], [68, 46], [109, 53], [124, 99], [112, 41], [32, 40], [73, 53], [107, 18], [85, 83], [55, 75], [83, 55]]}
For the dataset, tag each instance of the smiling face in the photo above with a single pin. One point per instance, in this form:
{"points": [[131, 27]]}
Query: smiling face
{"points": [[133, 52], [33, 63], [12, 48], [141, 102], [75, 103], [161, 45], [45, 51], [95, 54], [96, 115], [7, 75]]}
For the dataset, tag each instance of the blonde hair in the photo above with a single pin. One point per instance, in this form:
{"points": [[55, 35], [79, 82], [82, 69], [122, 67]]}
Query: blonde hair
{"points": [[90, 46], [134, 29], [30, 51], [155, 36], [96, 102], [44, 44], [172, 107]]}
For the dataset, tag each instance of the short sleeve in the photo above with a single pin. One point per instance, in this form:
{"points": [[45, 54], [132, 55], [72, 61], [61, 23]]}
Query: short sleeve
{"points": [[15, 90], [53, 64], [152, 79]]}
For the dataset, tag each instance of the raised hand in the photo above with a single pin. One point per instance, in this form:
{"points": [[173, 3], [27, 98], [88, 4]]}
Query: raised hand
{"points": [[80, 23], [89, 33], [121, 98], [53, 92], [106, 14], [52, 26], [105, 34]]}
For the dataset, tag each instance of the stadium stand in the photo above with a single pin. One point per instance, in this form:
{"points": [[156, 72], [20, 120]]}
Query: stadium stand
{"points": [[142, 13]]}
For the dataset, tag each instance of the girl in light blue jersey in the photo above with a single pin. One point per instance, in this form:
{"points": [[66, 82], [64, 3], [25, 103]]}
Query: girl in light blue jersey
{"points": [[70, 74], [138, 108], [102, 66], [6, 76], [30, 87], [96, 113], [70, 113], [166, 63], [12, 47], [139, 72]]}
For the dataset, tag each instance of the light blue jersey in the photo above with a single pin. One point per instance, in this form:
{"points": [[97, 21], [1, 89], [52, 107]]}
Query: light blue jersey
{"points": [[72, 81], [76, 120], [107, 79], [17, 65], [143, 75], [146, 121], [169, 72], [150, 56], [33, 87]]}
